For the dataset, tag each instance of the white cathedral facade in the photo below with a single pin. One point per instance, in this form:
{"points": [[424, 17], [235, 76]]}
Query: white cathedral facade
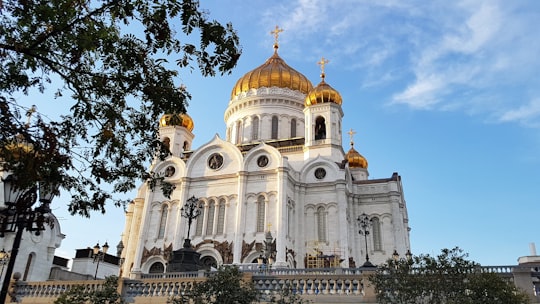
{"points": [[281, 170]]}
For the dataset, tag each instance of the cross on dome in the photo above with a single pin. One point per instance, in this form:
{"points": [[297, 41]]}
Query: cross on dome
{"points": [[351, 135], [275, 33], [322, 63]]}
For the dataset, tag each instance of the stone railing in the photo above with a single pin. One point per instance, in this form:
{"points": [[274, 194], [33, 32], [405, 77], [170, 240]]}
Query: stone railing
{"points": [[318, 285]]}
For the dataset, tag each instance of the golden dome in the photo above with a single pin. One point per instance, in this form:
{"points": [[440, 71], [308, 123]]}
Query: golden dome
{"points": [[273, 73], [356, 160], [181, 119], [322, 93]]}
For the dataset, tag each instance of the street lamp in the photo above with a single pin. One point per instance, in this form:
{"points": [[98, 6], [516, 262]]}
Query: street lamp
{"points": [[266, 257], [18, 214], [364, 222], [191, 210], [4, 258], [99, 255]]}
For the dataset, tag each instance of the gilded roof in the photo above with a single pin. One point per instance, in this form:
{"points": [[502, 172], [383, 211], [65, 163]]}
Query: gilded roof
{"points": [[181, 119], [273, 73]]}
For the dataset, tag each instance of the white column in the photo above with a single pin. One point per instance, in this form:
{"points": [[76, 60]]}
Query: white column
{"points": [[281, 216], [239, 220]]}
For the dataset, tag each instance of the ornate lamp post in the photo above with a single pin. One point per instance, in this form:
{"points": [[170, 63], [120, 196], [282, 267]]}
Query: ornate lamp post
{"points": [[187, 259], [18, 214], [266, 258], [364, 222], [99, 255], [191, 210]]}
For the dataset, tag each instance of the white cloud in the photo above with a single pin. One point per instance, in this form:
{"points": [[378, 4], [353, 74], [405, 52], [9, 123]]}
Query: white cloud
{"points": [[525, 114]]}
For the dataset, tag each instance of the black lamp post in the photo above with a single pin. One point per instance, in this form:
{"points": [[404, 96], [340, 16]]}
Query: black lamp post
{"points": [[364, 222], [99, 255], [18, 214], [191, 210], [186, 258], [266, 257]]}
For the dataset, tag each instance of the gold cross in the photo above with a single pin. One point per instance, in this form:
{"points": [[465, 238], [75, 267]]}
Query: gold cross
{"points": [[322, 63], [276, 32], [269, 225], [351, 134]]}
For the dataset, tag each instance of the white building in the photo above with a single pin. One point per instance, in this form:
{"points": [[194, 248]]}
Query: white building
{"points": [[281, 168], [35, 258]]}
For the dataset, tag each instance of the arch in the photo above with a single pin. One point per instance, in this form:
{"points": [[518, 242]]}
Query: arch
{"points": [[210, 217], [167, 142], [163, 221], [320, 128], [275, 127], [157, 267], [293, 127], [29, 266], [377, 239], [185, 147], [261, 206], [321, 224], [239, 132], [208, 262], [255, 128], [221, 217]]}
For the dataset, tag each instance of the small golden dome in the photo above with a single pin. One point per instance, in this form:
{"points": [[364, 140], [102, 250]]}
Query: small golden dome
{"points": [[356, 160], [181, 119], [322, 93], [273, 73]]}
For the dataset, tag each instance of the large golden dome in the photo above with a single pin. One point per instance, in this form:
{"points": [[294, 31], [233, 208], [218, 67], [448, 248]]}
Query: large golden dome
{"points": [[181, 119], [356, 160], [273, 73], [322, 93]]}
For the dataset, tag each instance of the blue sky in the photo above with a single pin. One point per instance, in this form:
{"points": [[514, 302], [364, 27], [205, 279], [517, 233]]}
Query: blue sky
{"points": [[446, 93]]}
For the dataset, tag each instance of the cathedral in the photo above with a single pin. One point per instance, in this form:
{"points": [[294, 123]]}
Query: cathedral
{"points": [[280, 184]]}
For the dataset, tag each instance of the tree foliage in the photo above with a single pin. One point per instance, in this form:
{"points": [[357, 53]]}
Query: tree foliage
{"points": [[107, 294], [118, 61], [226, 286], [449, 278]]}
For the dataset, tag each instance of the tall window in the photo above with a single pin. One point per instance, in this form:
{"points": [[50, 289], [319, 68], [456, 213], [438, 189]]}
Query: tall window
{"points": [[239, 132], [293, 127], [260, 214], [320, 128], [29, 264], [210, 217], [255, 128], [163, 222], [200, 220], [221, 217], [376, 227], [321, 224], [274, 127]]}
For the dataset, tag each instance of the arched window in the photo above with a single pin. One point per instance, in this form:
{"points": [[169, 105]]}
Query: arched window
{"points": [[377, 240], [239, 132], [320, 128], [210, 218], [293, 127], [157, 267], [186, 146], [167, 142], [321, 224], [221, 217], [163, 222], [29, 264], [255, 128], [274, 127], [260, 214], [200, 221]]}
